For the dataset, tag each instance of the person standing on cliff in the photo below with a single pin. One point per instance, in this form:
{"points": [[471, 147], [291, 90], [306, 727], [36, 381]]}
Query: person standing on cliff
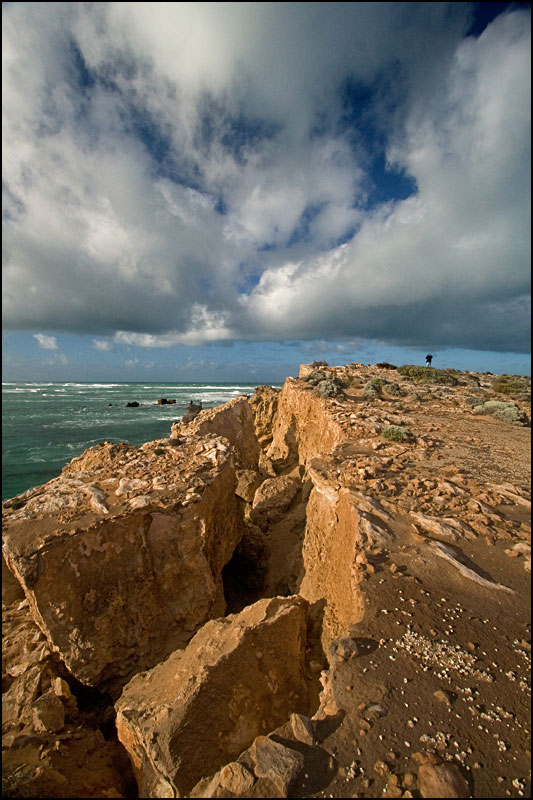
{"points": [[428, 359]]}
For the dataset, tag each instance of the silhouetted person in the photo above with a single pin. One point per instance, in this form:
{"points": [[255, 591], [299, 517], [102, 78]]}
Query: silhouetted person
{"points": [[428, 359]]}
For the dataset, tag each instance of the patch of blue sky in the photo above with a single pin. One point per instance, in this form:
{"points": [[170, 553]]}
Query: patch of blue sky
{"points": [[362, 124], [484, 13], [249, 277], [82, 76], [221, 206], [301, 232], [236, 133]]}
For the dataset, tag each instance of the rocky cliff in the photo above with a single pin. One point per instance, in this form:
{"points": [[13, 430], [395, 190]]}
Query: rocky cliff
{"points": [[318, 591]]}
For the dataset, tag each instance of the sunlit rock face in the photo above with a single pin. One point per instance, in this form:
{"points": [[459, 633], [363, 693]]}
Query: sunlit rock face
{"points": [[239, 677], [121, 556], [234, 421]]}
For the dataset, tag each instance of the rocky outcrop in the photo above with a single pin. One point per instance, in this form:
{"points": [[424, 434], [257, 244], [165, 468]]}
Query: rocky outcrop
{"points": [[234, 421], [121, 557], [407, 568], [332, 544], [198, 710], [303, 427]]}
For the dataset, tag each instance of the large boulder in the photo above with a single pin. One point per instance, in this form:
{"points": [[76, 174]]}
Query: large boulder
{"points": [[121, 557], [239, 677], [234, 421], [273, 498]]}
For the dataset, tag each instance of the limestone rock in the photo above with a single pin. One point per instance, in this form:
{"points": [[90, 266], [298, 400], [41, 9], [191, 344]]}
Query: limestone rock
{"points": [[303, 729], [277, 763], [435, 527], [234, 421], [272, 499], [441, 780], [204, 705], [11, 588], [48, 713], [116, 593], [302, 428], [264, 406], [248, 481], [332, 532]]}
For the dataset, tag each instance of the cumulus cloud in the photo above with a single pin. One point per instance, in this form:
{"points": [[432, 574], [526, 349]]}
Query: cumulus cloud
{"points": [[46, 342], [192, 173], [101, 344]]}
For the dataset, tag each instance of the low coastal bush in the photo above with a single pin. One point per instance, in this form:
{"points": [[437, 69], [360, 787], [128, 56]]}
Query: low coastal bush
{"points": [[319, 364], [397, 433], [429, 374], [372, 390], [331, 387], [509, 385], [394, 389], [386, 365], [324, 385], [508, 412], [16, 504], [315, 377], [473, 401]]}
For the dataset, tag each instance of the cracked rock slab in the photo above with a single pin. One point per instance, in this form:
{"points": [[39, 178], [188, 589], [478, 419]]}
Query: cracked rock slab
{"points": [[197, 711]]}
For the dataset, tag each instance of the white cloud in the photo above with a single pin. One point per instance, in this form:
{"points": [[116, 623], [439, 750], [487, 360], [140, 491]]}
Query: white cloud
{"points": [[116, 171], [46, 342], [101, 344]]}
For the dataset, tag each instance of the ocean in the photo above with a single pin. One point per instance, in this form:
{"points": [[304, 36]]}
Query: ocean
{"points": [[45, 425]]}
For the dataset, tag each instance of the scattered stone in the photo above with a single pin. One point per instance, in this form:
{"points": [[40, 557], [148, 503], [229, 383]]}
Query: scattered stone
{"points": [[48, 713], [303, 729], [236, 778], [441, 780], [442, 696], [276, 762], [170, 708]]}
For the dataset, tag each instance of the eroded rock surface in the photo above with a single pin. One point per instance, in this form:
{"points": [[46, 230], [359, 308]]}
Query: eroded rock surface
{"points": [[238, 677], [408, 565], [118, 585]]}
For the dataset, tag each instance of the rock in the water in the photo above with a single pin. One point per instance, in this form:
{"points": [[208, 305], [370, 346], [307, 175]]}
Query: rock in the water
{"points": [[199, 709]]}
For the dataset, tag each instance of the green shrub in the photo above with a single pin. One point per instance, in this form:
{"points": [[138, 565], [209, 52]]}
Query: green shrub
{"points": [[315, 377], [319, 364], [372, 390], [16, 504], [508, 412], [506, 386], [385, 365], [428, 374], [159, 451], [329, 388], [394, 389], [397, 433]]}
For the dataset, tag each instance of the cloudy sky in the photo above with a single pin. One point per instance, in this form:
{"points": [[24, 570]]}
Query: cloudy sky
{"points": [[199, 191]]}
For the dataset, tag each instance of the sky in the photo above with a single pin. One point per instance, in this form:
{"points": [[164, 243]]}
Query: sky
{"points": [[222, 191]]}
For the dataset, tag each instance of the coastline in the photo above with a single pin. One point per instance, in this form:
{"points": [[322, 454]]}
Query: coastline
{"points": [[342, 566]]}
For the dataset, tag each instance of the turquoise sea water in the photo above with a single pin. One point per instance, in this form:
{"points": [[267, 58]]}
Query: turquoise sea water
{"points": [[44, 425]]}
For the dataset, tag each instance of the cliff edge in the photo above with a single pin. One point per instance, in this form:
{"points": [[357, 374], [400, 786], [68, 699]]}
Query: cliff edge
{"points": [[318, 591]]}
